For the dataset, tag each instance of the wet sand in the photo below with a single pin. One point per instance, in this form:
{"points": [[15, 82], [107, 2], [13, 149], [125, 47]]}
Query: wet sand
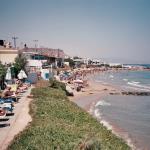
{"points": [[92, 93]]}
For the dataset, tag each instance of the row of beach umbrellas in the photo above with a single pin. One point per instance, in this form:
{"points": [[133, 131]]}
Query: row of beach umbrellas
{"points": [[21, 75]]}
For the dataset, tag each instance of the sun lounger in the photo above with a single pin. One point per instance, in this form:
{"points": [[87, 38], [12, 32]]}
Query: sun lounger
{"points": [[7, 104]]}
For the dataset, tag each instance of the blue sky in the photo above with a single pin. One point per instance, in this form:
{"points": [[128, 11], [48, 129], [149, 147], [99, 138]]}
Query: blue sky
{"points": [[114, 29]]}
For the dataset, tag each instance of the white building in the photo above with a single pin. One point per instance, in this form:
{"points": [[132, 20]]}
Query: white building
{"points": [[34, 61], [96, 62], [115, 64]]}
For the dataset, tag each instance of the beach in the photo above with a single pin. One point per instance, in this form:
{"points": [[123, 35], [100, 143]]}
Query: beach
{"points": [[105, 102], [92, 93]]}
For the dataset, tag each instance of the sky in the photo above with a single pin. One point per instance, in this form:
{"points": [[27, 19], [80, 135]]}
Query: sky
{"points": [[114, 30]]}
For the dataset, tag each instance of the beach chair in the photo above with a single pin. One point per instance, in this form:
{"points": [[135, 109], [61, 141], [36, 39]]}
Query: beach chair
{"points": [[8, 106]]}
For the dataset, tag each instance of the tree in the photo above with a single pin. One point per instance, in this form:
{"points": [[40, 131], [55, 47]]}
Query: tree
{"points": [[20, 63], [2, 70], [2, 75], [71, 62], [76, 57]]}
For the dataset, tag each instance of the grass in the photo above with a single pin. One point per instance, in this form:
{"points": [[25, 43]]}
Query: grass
{"points": [[60, 124]]}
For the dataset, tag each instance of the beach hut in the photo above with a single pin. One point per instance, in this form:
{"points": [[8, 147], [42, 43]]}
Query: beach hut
{"points": [[78, 81]]}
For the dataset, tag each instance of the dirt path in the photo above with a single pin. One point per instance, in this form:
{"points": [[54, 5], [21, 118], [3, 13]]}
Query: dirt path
{"points": [[17, 122]]}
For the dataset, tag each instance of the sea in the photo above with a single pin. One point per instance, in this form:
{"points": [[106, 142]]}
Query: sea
{"points": [[129, 116]]}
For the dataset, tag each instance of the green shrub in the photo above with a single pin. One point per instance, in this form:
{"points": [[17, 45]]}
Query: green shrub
{"points": [[56, 84], [59, 124], [92, 144]]}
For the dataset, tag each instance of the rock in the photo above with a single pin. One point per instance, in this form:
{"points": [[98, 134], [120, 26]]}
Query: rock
{"points": [[69, 91], [115, 93], [105, 89], [135, 93], [111, 93]]}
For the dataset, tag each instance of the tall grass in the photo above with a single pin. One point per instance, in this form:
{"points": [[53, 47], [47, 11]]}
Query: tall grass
{"points": [[60, 124]]}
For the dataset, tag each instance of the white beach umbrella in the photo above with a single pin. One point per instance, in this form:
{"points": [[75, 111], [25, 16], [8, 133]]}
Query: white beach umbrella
{"points": [[8, 74], [22, 75], [78, 81]]}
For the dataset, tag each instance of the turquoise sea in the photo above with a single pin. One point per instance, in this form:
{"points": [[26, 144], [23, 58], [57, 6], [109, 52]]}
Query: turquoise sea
{"points": [[129, 115]]}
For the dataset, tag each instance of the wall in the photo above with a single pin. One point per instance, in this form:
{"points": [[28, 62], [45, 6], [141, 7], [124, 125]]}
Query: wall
{"points": [[8, 55]]}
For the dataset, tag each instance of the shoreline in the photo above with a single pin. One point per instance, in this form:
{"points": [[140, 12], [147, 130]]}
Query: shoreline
{"points": [[90, 96]]}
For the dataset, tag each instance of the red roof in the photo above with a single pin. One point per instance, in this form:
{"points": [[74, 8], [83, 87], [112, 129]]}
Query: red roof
{"points": [[57, 53]]}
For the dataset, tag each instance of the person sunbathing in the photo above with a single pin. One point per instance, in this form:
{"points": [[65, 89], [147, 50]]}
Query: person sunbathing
{"points": [[7, 92], [8, 95], [21, 87], [2, 113]]}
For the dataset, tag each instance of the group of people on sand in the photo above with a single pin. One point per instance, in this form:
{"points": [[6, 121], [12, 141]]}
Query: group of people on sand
{"points": [[76, 79], [9, 96]]}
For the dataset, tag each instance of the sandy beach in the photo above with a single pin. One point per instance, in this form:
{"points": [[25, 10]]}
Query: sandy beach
{"points": [[92, 93]]}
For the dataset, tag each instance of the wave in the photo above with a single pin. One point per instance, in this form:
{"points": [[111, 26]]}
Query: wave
{"points": [[125, 79], [107, 124], [136, 84], [135, 88], [98, 115], [133, 83], [102, 103], [111, 76]]}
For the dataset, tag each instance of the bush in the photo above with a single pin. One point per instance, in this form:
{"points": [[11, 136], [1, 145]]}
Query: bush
{"points": [[20, 63], [60, 124], [57, 85], [92, 144], [2, 70]]}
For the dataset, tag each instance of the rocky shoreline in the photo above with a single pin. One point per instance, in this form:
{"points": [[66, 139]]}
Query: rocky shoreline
{"points": [[133, 93]]}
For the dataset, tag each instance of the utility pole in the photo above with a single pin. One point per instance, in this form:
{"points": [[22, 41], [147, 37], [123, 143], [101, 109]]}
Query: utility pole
{"points": [[14, 38], [35, 41]]}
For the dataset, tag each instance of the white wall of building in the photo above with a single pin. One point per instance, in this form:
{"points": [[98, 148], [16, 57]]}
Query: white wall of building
{"points": [[114, 64], [8, 55], [35, 63]]}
